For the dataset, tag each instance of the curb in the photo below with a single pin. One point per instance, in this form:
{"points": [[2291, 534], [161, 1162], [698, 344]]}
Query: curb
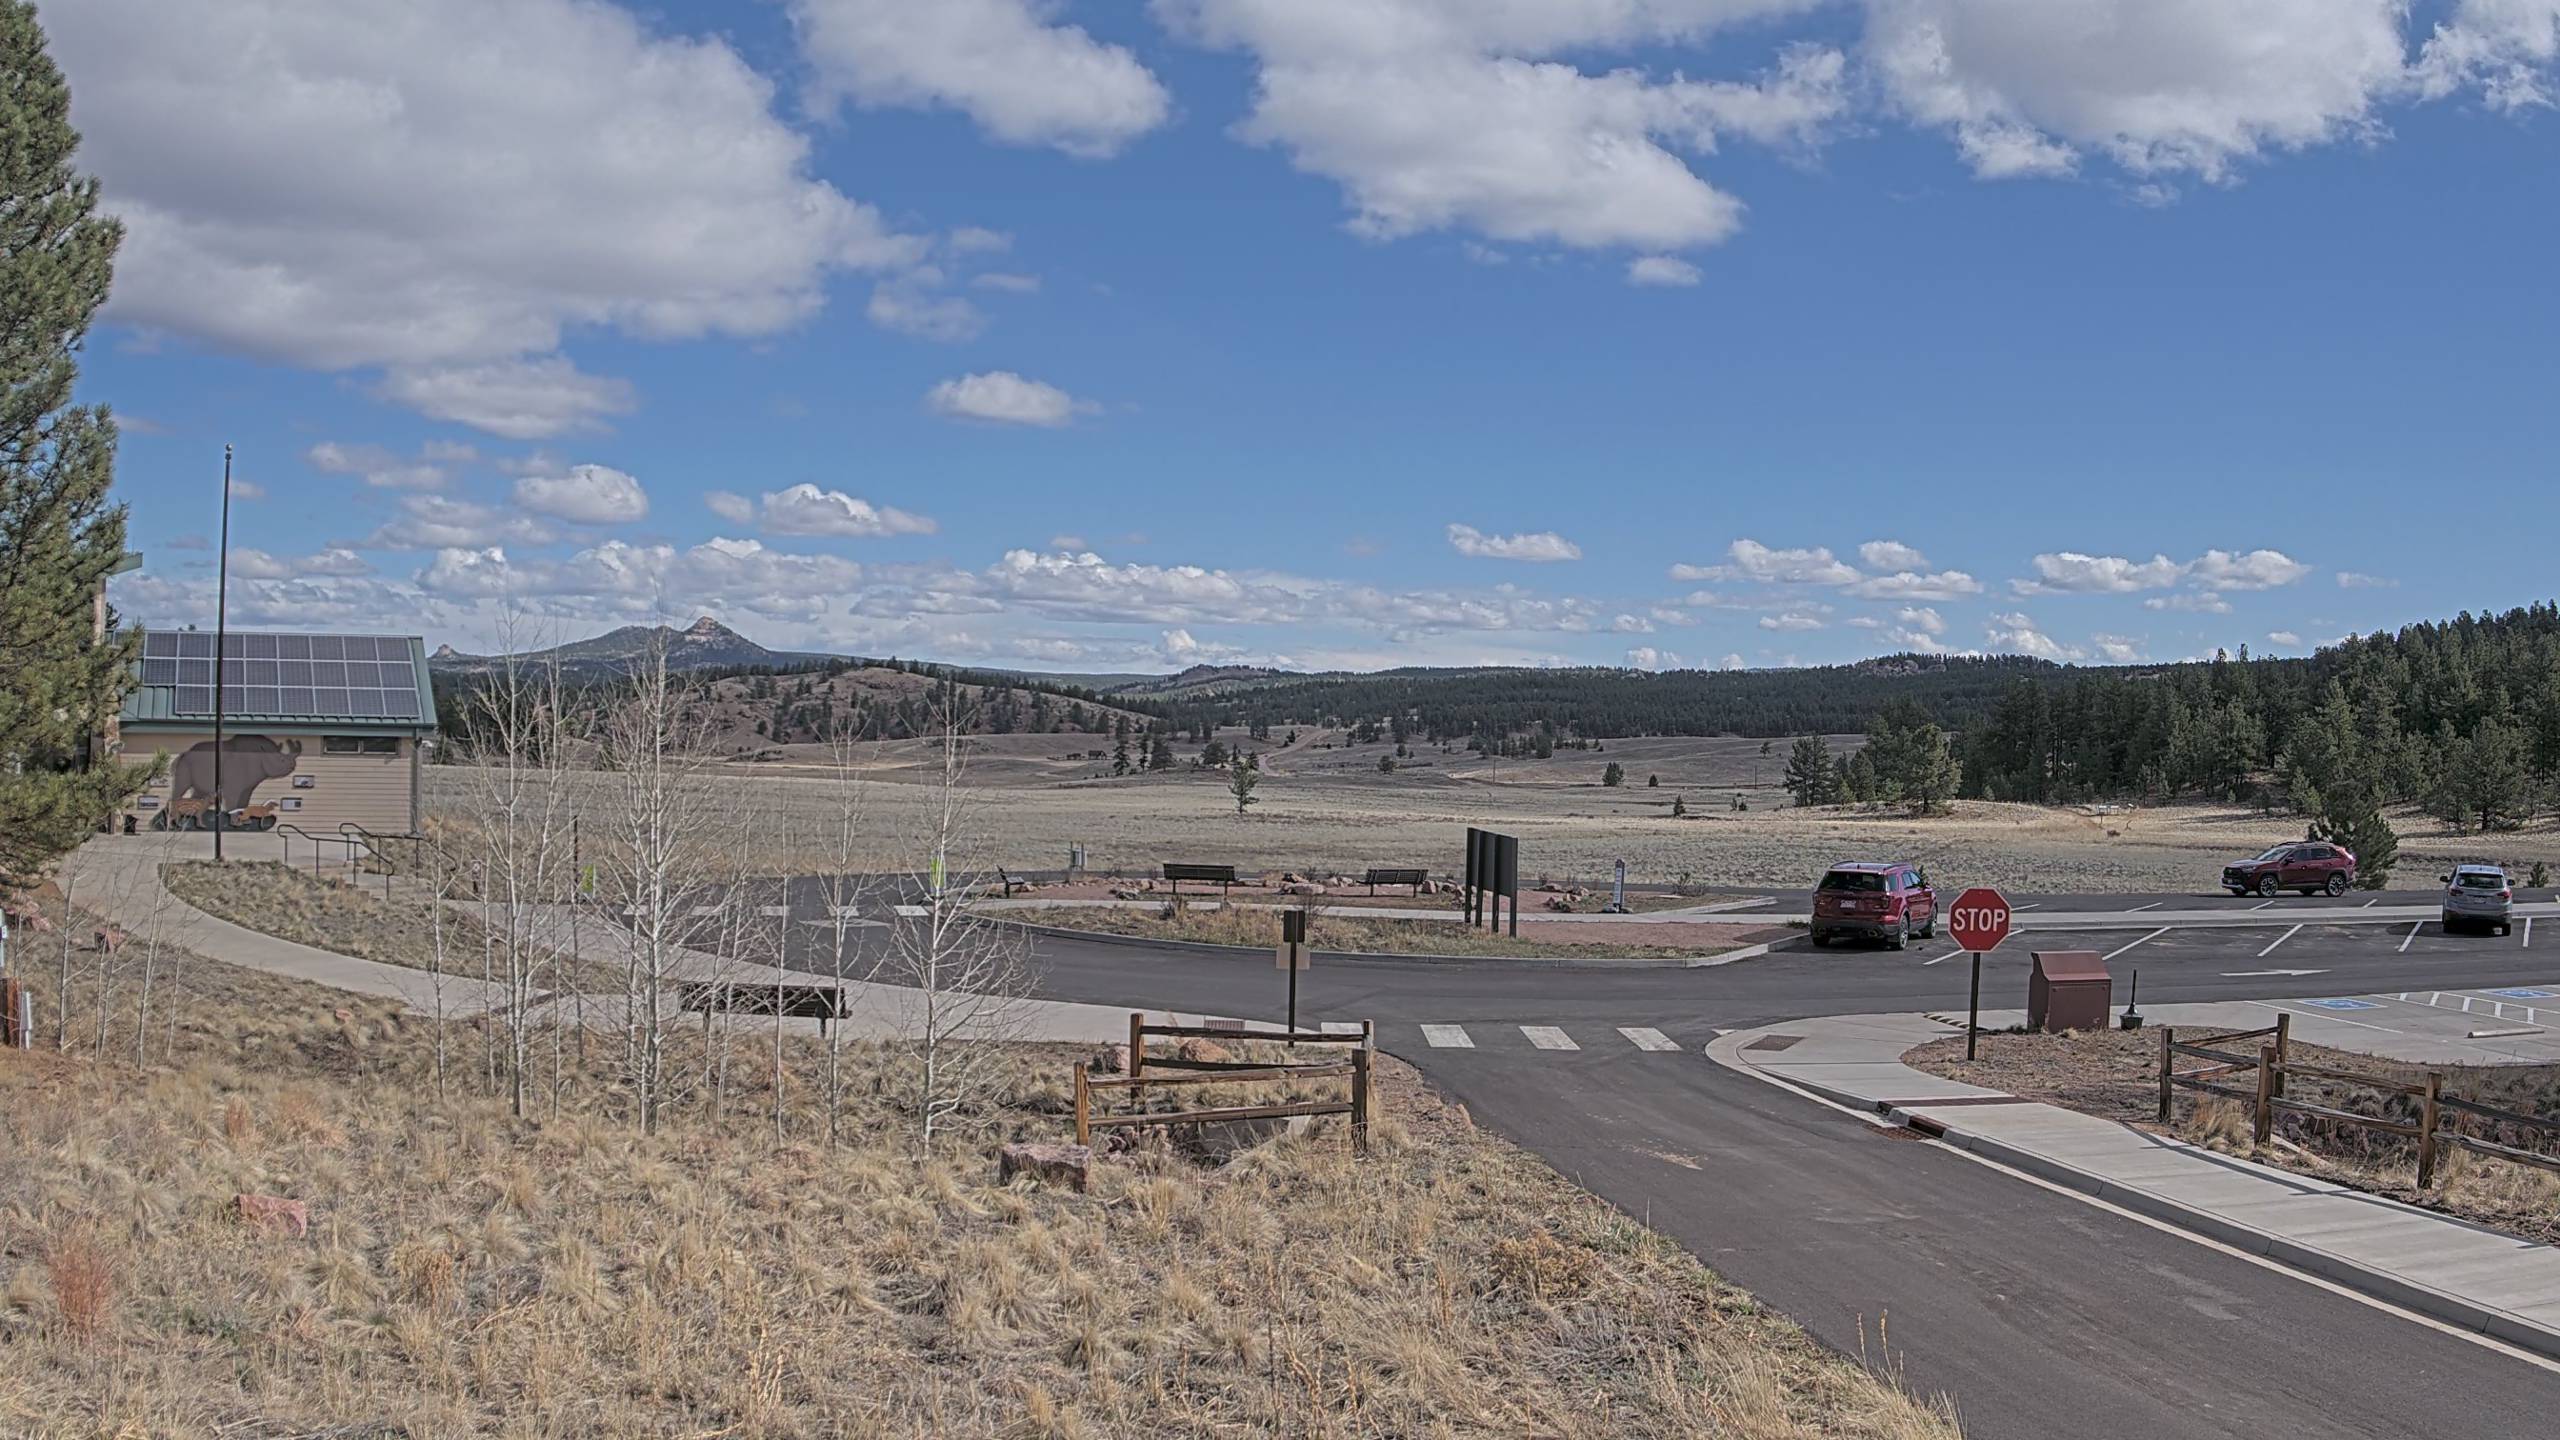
{"points": [[1369, 957], [2380, 1284]]}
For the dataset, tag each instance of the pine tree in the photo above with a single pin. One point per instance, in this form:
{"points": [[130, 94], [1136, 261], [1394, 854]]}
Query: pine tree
{"points": [[59, 537], [2354, 821], [1614, 776], [1241, 778], [1810, 777], [1120, 746]]}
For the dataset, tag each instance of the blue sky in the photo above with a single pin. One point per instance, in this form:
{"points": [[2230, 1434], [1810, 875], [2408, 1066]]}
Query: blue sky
{"points": [[1337, 332]]}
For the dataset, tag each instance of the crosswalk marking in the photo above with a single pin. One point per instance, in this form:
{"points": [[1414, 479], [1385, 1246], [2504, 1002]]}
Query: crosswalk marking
{"points": [[774, 912], [1548, 1037], [1447, 1037], [1645, 1037], [707, 912]]}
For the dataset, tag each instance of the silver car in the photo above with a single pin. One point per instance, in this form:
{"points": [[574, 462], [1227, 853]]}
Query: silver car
{"points": [[2478, 895]]}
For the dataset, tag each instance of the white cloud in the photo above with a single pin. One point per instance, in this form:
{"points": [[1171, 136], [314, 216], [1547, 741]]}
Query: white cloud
{"points": [[1752, 561], [1646, 657], [2357, 580], [2027, 87], [2069, 572], [2192, 603], [807, 510], [584, 495], [1006, 398], [1024, 81], [1541, 546], [1909, 585], [2118, 649], [1007, 282], [1661, 270], [1922, 618], [259, 565], [2015, 634], [1891, 555], [1442, 114], [715, 575], [519, 399], [2286, 638], [2256, 570], [377, 467], [435, 522], [911, 304], [729, 505], [247, 490], [1791, 620], [434, 188], [1730, 662], [2507, 48]]}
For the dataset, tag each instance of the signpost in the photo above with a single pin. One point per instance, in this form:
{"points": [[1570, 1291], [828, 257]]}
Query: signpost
{"points": [[1979, 922], [1293, 956]]}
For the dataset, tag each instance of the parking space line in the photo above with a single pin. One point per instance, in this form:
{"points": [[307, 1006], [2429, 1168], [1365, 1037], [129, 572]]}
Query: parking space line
{"points": [[2528, 933], [2321, 1015], [2414, 927], [1447, 1037], [2289, 934], [2138, 909], [2369, 904], [1548, 1037], [1645, 1037], [2261, 905], [774, 912], [2154, 935], [2021, 909]]}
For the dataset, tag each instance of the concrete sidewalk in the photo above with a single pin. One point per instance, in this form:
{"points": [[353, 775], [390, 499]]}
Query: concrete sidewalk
{"points": [[119, 877], [2459, 1273]]}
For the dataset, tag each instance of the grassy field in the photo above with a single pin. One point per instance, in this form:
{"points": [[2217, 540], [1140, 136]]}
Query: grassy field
{"points": [[353, 920], [1249, 926], [2115, 1074], [1325, 821], [469, 1273]]}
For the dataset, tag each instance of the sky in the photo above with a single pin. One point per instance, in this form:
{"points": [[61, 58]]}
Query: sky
{"points": [[1103, 337]]}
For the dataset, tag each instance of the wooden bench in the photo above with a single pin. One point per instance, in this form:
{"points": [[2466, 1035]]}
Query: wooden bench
{"points": [[822, 1003], [1222, 875], [1377, 877]]}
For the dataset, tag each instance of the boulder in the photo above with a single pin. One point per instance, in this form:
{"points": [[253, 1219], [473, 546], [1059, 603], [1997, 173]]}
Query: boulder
{"points": [[1109, 1060], [1195, 1048], [273, 1214], [1050, 1164], [109, 939], [1301, 887], [1220, 1141], [1558, 902]]}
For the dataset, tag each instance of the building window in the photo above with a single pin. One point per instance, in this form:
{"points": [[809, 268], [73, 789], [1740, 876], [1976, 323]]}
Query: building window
{"points": [[360, 745]]}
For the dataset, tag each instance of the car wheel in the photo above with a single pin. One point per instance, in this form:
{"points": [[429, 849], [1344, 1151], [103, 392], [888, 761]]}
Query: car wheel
{"points": [[2268, 887], [2337, 885], [1930, 930], [2449, 925], [2239, 893], [1902, 934], [1821, 941], [2504, 928]]}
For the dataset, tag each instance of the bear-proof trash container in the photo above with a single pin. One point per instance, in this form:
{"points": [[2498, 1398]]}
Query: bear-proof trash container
{"points": [[2068, 990]]}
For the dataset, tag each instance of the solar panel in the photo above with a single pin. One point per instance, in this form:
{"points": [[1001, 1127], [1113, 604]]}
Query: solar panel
{"points": [[364, 677]]}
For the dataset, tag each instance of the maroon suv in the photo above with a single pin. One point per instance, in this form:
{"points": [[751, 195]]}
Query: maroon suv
{"points": [[1890, 902], [2310, 866]]}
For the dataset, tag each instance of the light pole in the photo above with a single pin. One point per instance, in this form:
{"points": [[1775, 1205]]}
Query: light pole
{"points": [[221, 616]]}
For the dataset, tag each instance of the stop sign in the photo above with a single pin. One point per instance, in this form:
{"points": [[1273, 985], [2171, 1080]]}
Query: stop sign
{"points": [[1980, 919]]}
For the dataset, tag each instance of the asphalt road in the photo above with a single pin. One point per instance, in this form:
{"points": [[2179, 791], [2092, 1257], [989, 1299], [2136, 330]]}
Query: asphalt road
{"points": [[2040, 1314]]}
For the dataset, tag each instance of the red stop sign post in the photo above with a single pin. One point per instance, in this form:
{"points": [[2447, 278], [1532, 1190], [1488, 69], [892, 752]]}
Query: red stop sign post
{"points": [[1979, 922]]}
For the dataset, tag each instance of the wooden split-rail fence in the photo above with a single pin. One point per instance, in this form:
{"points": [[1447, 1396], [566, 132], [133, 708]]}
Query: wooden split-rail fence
{"points": [[1174, 1070], [2440, 1115]]}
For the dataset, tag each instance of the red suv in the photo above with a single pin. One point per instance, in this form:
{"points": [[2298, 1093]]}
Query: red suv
{"points": [[1891, 903], [2310, 866]]}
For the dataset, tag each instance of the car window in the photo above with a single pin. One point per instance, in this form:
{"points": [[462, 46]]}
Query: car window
{"points": [[2276, 852], [1853, 880], [2480, 880]]}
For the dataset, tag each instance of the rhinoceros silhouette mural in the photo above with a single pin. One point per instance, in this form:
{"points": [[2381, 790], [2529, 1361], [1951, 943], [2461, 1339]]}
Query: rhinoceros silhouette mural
{"points": [[248, 761]]}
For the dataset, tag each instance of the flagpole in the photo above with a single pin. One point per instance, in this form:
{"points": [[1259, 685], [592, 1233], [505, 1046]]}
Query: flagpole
{"points": [[221, 633]]}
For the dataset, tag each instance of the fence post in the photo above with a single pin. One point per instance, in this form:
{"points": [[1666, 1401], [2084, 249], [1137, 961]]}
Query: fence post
{"points": [[1360, 1101], [1084, 1110], [1137, 1052], [2167, 1058], [2427, 1130], [2284, 1048], [2266, 1116]]}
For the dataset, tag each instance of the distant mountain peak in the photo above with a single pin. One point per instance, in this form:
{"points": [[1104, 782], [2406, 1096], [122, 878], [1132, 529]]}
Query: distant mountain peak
{"points": [[708, 627]]}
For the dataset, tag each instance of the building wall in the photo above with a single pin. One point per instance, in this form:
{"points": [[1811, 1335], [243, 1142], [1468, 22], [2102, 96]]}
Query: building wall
{"points": [[317, 791]]}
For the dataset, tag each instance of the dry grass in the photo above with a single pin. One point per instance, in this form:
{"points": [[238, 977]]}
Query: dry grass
{"points": [[1323, 822], [471, 1274], [2115, 1074], [1259, 928], [349, 919]]}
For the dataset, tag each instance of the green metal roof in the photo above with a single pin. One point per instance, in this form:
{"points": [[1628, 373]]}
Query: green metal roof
{"points": [[155, 707]]}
